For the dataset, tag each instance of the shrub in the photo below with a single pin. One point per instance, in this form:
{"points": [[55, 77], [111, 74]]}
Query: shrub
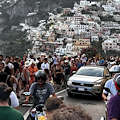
{"points": [[89, 52]]}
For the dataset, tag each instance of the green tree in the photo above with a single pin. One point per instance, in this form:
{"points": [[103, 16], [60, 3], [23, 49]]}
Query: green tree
{"points": [[98, 45], [112, 53], [15, 43]]}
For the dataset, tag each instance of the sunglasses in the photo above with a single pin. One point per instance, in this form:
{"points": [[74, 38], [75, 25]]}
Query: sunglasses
{"points": [[40, 78]]}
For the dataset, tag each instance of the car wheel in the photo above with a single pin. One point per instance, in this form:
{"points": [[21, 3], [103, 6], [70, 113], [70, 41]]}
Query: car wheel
{"points": [[70, 94]]}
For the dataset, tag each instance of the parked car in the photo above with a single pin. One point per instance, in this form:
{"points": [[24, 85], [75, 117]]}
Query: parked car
{"points": [[88, 80]]}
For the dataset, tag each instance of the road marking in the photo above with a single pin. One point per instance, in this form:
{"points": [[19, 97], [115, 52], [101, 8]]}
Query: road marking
{"points": [[60, 92], [28, 112], [27, 105]]}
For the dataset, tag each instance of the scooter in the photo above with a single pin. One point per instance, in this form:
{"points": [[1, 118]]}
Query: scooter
{"points": [[106, 103], [38, 112]]}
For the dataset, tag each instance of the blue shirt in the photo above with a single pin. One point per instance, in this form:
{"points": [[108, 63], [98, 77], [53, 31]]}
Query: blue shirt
{"points": [[41, 94], [102, 61], [80, 64]]}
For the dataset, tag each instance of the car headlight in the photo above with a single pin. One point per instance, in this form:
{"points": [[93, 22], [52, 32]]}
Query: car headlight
{"points": [[69, 82], [98, 83]]}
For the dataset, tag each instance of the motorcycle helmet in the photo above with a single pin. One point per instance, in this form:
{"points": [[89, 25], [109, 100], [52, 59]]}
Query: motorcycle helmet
{"points": [[114, 69], [40, 74], [117, 83], [115, 76]]}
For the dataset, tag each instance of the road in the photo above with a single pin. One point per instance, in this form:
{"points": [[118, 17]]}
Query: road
{"points": [[93, 106]]}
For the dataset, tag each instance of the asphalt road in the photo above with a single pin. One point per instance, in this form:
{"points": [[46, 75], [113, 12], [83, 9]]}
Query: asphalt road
{"points": [[92, 105]]}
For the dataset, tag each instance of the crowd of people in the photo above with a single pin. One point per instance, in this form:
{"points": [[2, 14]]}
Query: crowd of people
{"points": [[21, 73], [50, 73]]}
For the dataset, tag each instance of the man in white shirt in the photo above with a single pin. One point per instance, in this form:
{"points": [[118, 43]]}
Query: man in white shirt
{"points": [[14, 100], [9, 65], [110, 83], [55, 59], [45, 64], [83, 58]]}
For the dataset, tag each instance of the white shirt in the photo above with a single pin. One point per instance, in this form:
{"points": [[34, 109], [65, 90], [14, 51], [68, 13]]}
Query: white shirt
{"points": [[45, 66], [50, 60], [92, 63], [55, 60], [83, 60], [110, 84], [10, 65], [14, 100]]}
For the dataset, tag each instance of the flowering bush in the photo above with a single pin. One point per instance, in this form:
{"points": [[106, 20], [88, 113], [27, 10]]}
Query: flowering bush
{"points": [[89, 52]]}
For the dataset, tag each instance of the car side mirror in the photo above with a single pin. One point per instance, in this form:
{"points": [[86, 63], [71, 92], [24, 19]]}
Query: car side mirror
{"points": [[73, 72]]}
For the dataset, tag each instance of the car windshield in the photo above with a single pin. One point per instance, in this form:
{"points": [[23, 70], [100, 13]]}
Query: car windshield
{"points": [[97, 72]]}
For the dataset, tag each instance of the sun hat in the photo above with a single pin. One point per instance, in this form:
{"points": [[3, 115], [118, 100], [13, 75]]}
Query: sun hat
{"points": [[72, 59], [32, 62], [83, 55], [66, 61], [27, 64]]}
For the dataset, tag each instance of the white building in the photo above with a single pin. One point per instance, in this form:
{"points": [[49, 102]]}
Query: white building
{"points": [[69, 47], [109, 8], [63, 27], [78, 18], [70, 19], [110, 25], [81, 28], [84, 3], [60, 51], [76, 6], [109, 45], [112, 43], [94, 38], [95, 18]]}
